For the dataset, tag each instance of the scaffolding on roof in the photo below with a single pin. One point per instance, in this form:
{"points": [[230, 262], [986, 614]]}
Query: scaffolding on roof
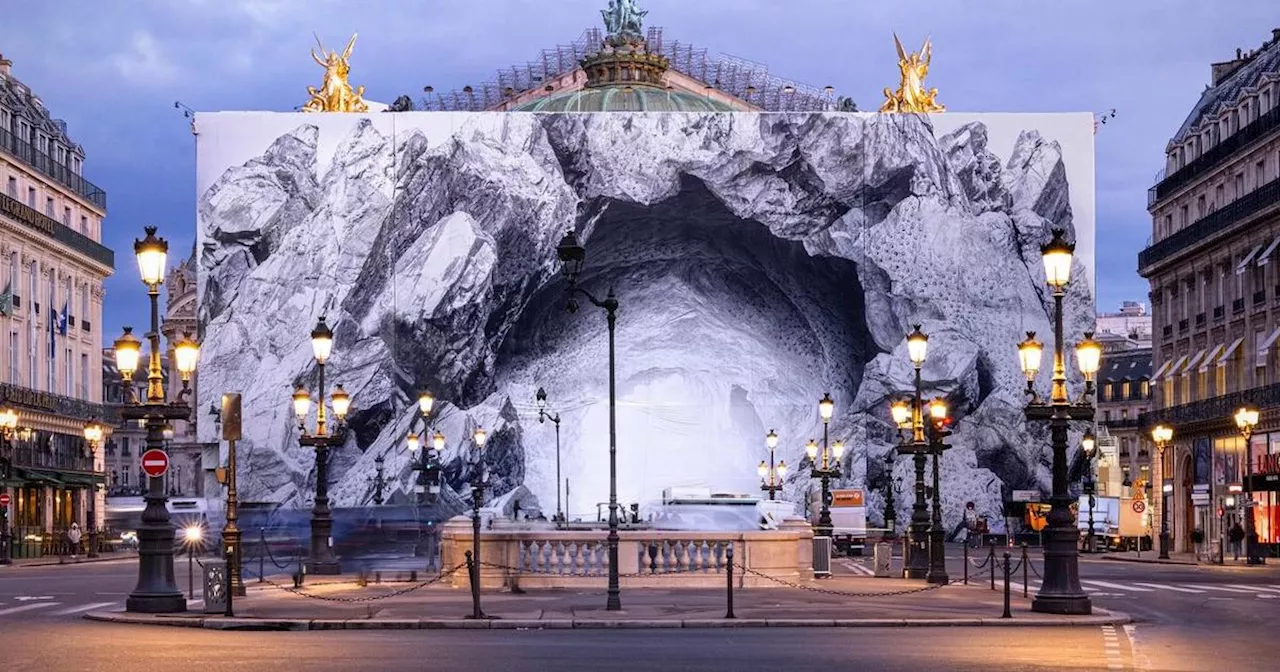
{"points": [[743, 79]]}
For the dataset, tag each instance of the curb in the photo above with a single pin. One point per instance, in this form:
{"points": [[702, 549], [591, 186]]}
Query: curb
{"points": [[81, 561], [1185, 563], [294, 625]]}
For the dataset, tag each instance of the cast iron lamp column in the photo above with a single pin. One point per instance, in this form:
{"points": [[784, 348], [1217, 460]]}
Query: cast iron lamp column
{"points": [[573, 256], [1090, 448], [1162, 435], [479, 479], [321, 559], [156, 592], [830, 466], [916, 565], [938, 432], [8, 428], [771, 475], [1246, 420], [427, 485], [543, 415], [1061, 592], [93, 434]]}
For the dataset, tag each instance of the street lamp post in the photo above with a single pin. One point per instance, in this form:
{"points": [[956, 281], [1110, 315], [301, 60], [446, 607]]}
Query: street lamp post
{"points": [[543, 415], [378, 481], [772, 475], [572, 258], [1090, 448], [427, 466], [1162, 435], [1246, 419], [8, 428], [825, 468], [1061, 592], [156, 592], [910, 416], [479, 480], [321, 559], [938, 432], [93, 433], [890, 508]]}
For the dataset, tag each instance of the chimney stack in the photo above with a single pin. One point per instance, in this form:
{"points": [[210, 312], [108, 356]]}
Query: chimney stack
{"points": [[4, 65], [1275, 35]]}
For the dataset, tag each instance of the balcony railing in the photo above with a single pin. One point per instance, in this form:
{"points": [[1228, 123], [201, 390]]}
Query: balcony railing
{"points": [[1237, 306], [44, 164], [51, 227], [1200, 320], [1219, 312], [1233, 143], [1183, 325], [1215, 408], [1215, 222], [1259, 297], [1167, 331]]}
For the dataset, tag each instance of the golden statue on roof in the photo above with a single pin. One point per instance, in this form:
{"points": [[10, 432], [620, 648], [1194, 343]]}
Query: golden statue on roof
{"points": [[335, 93], [911, 95]]}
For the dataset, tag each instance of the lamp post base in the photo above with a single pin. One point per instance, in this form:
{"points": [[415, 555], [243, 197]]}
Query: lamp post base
{"points": [[937, 557], [323, 567], [1070, 605], [1061, 592], [917, 562], [156, 603], [1164, 546]]}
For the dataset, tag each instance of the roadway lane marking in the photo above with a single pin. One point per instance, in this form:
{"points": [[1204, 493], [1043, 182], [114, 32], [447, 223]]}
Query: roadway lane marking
{"points": [[1111, 646], [1116, 586], [1227, 589], [1167, 587], [83, 607], [27, 607], [1264, 589]]}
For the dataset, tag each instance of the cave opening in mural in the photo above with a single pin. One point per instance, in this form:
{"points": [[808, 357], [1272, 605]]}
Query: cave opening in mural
{"points": [[761, 260]]}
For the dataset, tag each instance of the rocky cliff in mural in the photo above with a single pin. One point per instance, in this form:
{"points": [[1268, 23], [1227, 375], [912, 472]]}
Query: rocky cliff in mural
{"points": [[760, 260]]}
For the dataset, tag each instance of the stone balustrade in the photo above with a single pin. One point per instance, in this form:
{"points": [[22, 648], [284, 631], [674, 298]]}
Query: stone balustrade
{"points": [[548, 558]]}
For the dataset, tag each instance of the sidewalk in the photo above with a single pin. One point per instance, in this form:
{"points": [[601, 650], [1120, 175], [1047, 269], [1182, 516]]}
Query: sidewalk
{"points": [[50, 560], [1177, 559], [336, 603]]}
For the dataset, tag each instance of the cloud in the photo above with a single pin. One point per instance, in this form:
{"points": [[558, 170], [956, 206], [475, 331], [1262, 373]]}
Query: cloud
{"points": [[144, 63]]}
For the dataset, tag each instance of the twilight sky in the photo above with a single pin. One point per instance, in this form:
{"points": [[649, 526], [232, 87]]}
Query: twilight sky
{"points": [[113, 69]]}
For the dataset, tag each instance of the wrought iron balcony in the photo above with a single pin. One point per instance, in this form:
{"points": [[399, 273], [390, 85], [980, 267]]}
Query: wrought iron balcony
{"points": [[51, 227], [1167, 331], [1219, 312], [1215, 155], [45, 165], [1215, 409], [55, 404], [1237, 306], [1215, 222], [1183, 326], [1200, 320], [1259, 297]]}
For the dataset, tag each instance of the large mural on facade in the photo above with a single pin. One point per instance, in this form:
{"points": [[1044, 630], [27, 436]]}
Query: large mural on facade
{"points": [[760, 260]]}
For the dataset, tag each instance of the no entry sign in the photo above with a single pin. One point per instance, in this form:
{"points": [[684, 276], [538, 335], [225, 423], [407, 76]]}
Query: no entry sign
{"points": [[4, 499], [1139, 506], [155, 462]]}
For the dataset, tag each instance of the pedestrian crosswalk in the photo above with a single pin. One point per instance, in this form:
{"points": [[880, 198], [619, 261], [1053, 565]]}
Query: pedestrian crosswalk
{"points": [[51, 608], [1119, 589], [857, 567]]}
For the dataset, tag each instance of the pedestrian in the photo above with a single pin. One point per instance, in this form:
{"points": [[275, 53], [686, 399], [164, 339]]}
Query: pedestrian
{"points": [[1236, 536], [73, 536]]}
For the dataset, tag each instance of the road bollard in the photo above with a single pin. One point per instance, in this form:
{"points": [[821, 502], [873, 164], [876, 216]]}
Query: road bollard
{"points": [[262, 577], [729, 583], [991, 560], [473, 573], [1025, 563], [230, 553], [966, 562], [1008, 569]]}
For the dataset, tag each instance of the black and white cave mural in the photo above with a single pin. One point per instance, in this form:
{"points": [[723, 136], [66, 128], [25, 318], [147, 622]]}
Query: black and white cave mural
{"points": [[760, 261]]}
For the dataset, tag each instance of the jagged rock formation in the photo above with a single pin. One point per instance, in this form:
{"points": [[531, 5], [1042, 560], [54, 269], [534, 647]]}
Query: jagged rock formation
{"points": [[760, 260]]}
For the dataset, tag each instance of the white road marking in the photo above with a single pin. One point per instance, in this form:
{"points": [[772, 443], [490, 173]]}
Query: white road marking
{"points": [[1266, 589], [27, 607], [1111, 647], [1163, 586], [25, 598], [1228, 589], [1116, 586], [83, 607]]}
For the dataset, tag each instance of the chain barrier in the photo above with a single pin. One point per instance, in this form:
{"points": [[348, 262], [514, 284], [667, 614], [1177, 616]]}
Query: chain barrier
{"points": [[367, 598], [980, 565], [632, 575], [272, 558], [1034, 570]]}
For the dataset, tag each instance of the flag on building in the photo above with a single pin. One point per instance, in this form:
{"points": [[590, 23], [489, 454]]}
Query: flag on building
{"points": [[62, 319], [6, 299]]}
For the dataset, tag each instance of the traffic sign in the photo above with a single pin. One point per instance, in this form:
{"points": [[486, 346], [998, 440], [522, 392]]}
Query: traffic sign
{"points": [[155, 462], [1139, 506], [4, 499]]}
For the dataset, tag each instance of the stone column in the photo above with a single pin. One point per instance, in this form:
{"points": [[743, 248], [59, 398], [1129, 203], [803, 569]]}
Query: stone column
{"points": [[47, 495]]}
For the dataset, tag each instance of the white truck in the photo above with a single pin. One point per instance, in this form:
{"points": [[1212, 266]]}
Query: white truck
{"points": [[848, 519]]}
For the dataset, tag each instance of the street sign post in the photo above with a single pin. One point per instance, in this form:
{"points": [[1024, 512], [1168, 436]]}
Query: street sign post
{"points": [[155, 463], [4, 499]]}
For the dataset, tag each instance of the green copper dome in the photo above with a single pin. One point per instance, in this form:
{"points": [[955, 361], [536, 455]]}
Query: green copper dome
{"points": [[625, 99]]}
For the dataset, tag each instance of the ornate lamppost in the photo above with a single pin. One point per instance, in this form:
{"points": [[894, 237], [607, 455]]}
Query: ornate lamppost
{"points": [[826, 468], [378, 481], [479, 481], [427, 466], [321, 559], [572, 257], [93, 434], [771, 475], [544, 415], [938, 432], [909, 416], [156, 592], [1162, 435], [1061, 592], [1246, 419], [8, 429], [1090, 448]]}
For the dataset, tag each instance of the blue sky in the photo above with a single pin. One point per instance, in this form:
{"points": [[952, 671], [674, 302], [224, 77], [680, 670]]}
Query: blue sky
{"points": [[113, 69]]}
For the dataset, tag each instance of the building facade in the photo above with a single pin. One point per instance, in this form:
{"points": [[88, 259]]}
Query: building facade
{"points": [[1126, 329], [52, 265], [1215, 297], [1124, 395], [193, 462]]}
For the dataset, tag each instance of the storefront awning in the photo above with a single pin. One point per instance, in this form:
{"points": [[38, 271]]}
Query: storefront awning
{"points": [[87, 480], [1210, 360], [1161, 371], [1244, 263], [1177, 366], [1265, 348], [1230, 352], [1191, 363], [39, 476], [1266, 254]]}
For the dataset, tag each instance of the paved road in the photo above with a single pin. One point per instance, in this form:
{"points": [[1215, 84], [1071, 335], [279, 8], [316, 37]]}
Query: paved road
{"points": [[1190, 619]]}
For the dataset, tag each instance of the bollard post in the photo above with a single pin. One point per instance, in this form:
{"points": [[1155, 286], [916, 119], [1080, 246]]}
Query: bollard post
{"points": [[230, 553], [729, 583], [473, 572], [1025, 562], [1008, 569], [261, 576], [991, 560], [966, 562]]}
